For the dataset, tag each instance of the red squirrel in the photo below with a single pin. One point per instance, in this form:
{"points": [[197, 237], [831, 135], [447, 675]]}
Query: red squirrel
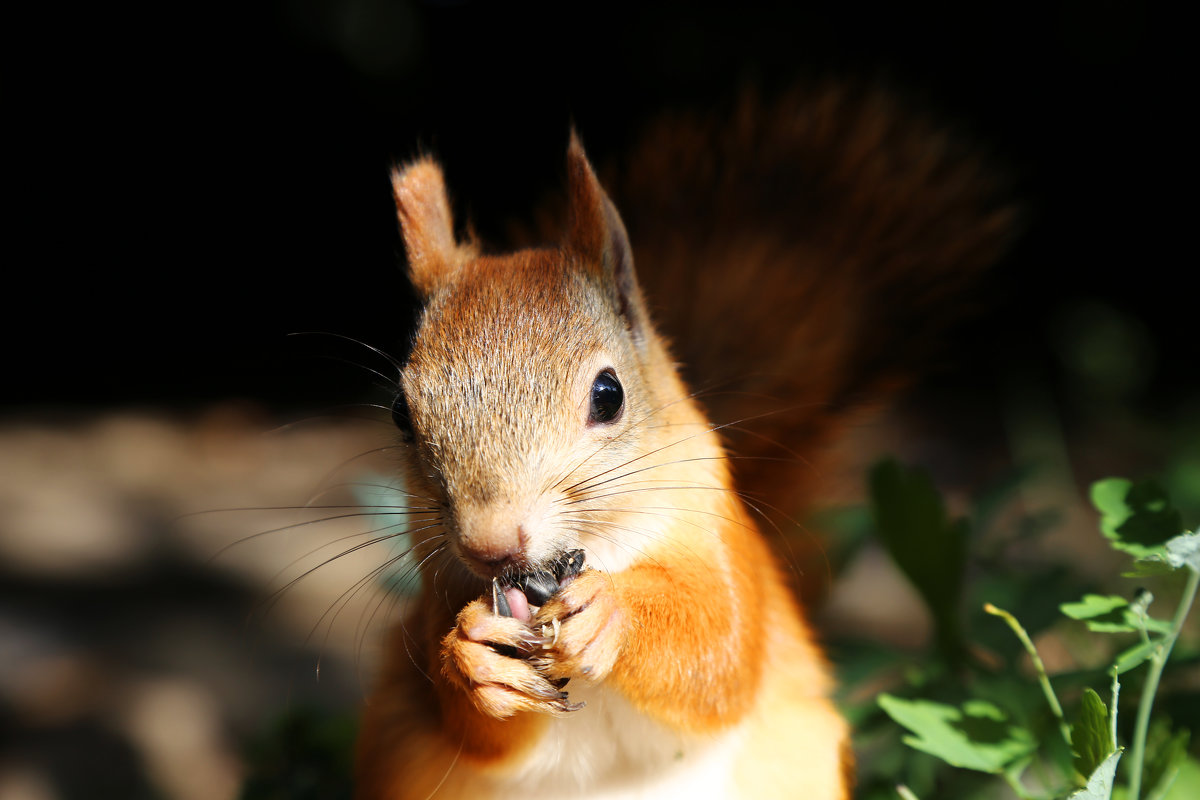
{"points": [[601, 616]]}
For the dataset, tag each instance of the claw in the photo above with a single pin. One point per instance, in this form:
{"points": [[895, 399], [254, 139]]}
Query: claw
{"points": [[500, 605]]}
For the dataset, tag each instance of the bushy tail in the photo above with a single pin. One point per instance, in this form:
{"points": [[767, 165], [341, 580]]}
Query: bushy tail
{"points": [[804, 257]]}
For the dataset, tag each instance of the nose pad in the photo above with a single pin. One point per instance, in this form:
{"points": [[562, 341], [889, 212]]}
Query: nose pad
{"points": [[493, 554], [488, 562], [498, 565]]}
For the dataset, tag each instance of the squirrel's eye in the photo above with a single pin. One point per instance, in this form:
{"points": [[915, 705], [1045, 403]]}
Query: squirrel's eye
{"points": [[401, 417], [608, 398]]}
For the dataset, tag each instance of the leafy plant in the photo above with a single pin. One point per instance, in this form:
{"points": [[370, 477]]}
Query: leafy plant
{"points": [[968, 707]]}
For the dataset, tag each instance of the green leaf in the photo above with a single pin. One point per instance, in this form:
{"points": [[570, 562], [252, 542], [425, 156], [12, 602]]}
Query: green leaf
{"points": [[1134, 656], [1094, 605], [1148, 568], [1104, 614], [1091, 736], [978, 736], [1108, 496], [1137, 518], [1100, 782], [928, 547], [1187, 782], [1111, 614]]}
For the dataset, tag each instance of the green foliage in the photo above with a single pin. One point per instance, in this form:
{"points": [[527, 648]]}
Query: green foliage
{"points": [[1091, 736], [1112, 614], [978, 736], [306, 755], [1166, 752], [1137, 518], [929, 547], [974, 715]]}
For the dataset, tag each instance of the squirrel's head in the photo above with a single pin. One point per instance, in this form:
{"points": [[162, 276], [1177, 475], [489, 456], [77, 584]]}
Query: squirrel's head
{"points": [[531, 384]]}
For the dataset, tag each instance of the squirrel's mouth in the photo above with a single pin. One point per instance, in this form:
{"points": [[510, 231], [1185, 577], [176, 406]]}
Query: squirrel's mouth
{"points": [[514, 595]]}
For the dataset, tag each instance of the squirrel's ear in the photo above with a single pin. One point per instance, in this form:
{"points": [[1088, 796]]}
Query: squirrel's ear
{"points": [[597, 236], [434, 257]]}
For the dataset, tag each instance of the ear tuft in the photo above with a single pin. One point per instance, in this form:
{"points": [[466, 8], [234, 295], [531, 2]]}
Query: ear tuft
{"points": [[434, 257], [597, 237], [586, 228]]}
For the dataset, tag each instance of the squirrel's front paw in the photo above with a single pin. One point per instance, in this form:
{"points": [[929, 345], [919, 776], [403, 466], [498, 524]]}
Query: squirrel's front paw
{"points": [[484, 656], [584, 626]]}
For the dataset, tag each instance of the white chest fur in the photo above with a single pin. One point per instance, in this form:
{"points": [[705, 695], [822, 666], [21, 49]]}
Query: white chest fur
{"points": [[608, 750]]}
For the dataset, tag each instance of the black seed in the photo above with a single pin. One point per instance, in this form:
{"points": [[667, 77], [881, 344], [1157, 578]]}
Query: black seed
{"points": [[539, 587], [569, 565]]}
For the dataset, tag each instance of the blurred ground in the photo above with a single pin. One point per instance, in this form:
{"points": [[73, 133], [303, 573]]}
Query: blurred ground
{"points": [[138, 656]]}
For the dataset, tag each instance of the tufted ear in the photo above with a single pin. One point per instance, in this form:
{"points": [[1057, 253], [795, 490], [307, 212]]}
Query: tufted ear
{"points": [[597, 237], [434, 257]]}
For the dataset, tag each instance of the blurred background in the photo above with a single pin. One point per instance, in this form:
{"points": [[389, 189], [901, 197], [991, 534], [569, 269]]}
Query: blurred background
{"points": [[190, 184]]}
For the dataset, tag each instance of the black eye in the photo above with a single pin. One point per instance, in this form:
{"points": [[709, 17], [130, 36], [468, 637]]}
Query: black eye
{"points": [[608, 398], [401, 417]]}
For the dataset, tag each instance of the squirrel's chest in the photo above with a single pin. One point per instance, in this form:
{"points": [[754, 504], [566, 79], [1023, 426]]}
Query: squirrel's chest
{"points": [[608, 750]]}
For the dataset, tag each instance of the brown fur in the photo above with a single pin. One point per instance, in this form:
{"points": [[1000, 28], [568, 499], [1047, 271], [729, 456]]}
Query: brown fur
{"points": [[685, 618]]}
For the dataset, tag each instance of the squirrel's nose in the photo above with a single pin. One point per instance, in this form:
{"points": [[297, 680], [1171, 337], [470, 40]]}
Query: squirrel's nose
{"points": [[492, 554], [491, 539]]}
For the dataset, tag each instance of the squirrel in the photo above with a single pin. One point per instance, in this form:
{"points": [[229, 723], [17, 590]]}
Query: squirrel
{"points": [[601, 615]]}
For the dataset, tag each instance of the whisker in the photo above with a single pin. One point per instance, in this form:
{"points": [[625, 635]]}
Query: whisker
{"points": [[750, 501], [396, 598], [305, 523], [724, 457], [654, 511], [278, 594], [344, 599], [611, 539], [384, 383], [333, 542], [709, 429], [387, 487], [337, 414], [339, 467], [395, 362], [635, 426]]}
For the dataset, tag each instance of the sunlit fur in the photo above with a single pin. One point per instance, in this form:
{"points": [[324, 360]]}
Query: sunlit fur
{"points": [[698, 673]]}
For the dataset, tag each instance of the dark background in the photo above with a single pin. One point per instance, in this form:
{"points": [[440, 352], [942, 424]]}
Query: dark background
{"points": [[191, 183]]}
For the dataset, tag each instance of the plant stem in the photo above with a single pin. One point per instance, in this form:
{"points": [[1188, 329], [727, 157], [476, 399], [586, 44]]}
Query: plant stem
{"points": [[1112, 711], [1157, 662], [1038, 666], [1015, 784], [905, 792]]}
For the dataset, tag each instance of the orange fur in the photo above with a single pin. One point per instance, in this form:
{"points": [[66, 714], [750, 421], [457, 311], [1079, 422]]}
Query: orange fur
{"points": [[700, 675]]}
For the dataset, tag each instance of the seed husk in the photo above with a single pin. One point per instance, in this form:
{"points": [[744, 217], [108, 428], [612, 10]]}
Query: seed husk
{"points": [[540, 585]]}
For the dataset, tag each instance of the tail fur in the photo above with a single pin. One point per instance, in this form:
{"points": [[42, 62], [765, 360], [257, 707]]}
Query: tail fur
{"points": [[804, 257]]}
